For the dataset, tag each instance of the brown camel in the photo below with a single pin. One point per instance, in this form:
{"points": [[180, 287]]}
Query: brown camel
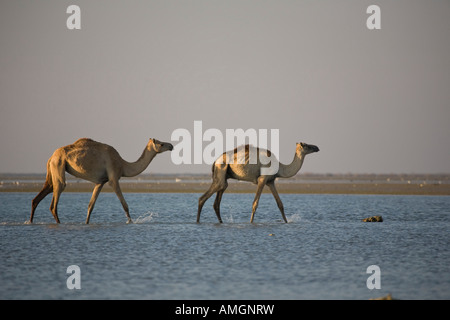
{"points": [[237, 164], [96, 162]]}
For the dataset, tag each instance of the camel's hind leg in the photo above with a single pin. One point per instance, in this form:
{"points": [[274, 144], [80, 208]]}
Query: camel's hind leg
{"points": [[57, 190], [217, 202], [41, 195], [277, 199], [58, 174], [95, 193], [218, 185], [201, 201]]}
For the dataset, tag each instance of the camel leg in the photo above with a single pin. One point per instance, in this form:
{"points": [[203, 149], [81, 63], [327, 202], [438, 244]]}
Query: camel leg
{"points": [[57, 190], [218, 185], [41, 195], [277, 199], [261, 184], [115, 185], [201, 201], [57, 168], [217, 203], [95, 193]]}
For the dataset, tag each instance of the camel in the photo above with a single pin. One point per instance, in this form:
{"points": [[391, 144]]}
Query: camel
{"points": [[224, 169], [96, 162]]}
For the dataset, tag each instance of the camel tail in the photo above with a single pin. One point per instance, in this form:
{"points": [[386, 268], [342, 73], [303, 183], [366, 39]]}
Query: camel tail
{"points": [[48, 177], [46, 189]]}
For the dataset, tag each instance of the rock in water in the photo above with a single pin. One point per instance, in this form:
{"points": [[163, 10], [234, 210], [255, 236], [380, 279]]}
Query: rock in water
{"points": [[388, 297], [373, 219]]}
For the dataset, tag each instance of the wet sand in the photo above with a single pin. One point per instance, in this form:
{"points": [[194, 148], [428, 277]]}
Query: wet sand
{"points": [[302, 184]]}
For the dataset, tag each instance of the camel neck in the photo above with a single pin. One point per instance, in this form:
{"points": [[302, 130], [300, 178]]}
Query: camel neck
{"points": [[131, 169], [289, 170]]}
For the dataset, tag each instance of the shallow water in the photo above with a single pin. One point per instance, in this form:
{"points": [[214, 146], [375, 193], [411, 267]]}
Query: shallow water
{"points": [[322, 253]]}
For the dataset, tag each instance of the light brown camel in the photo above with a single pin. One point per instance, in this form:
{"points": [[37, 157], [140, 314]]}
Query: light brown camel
{"points": [[96, 162], [236, 164]]}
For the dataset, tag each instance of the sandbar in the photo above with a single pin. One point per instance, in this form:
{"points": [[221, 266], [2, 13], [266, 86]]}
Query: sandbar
{"points": [[395, 184]]}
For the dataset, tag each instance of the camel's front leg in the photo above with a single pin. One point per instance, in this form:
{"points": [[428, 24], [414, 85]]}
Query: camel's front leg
{"points": [[95, 193], [277, 199], [261, 184], [115, 185]]}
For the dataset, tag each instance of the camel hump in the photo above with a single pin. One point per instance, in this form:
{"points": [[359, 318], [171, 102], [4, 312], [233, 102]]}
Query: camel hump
{"points": [[87, 143], [83, 141], [239, 155], [246, 154]]}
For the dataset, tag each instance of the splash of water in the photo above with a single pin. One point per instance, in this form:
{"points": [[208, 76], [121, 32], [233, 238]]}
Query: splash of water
{"points": [[294, 218], [146, 217], [229, 218]]}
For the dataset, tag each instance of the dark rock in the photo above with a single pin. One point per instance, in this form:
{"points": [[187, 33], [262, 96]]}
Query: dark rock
{"points": [[387, 297], [373, 219]]}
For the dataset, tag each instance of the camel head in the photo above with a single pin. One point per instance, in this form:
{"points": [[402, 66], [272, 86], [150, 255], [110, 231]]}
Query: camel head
{"points": [[159, 146], [304, 148]]}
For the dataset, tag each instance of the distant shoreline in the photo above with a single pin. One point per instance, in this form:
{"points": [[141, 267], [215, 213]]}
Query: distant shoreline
{"points": [[395, 184]]}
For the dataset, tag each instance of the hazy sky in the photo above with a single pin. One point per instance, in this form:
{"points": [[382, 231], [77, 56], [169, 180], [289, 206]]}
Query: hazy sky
{"points": [[374, 101]]}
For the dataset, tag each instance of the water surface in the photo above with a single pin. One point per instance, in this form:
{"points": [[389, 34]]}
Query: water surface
{"points": [[322, 253]]}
